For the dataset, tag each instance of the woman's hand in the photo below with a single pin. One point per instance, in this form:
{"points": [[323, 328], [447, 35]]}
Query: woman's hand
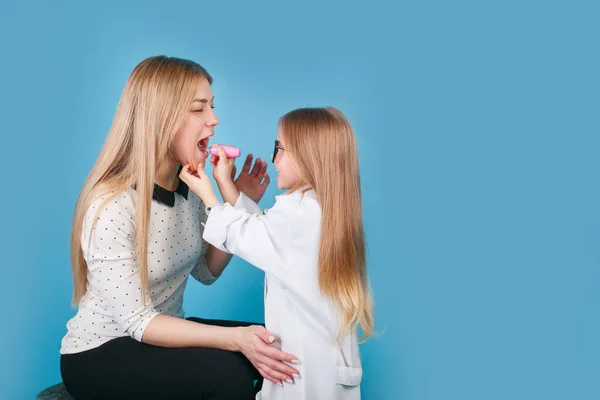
{"points": [[255, 342], [253, 183], [199, 183]]}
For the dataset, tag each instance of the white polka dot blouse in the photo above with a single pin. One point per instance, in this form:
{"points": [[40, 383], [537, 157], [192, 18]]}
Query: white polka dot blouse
{"points": [[113, 305]]}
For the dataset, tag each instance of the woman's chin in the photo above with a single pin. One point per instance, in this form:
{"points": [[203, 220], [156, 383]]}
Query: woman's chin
{"points": [[199, 158]]}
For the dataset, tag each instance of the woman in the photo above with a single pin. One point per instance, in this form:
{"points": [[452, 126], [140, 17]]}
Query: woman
{"points": [[134, 243]]}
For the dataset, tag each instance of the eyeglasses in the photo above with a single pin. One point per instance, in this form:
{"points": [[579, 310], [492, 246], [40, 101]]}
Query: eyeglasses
{"points": [[276, 150]]}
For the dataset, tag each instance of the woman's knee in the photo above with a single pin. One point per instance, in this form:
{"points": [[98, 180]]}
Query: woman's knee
{"points": [[234, 377]]}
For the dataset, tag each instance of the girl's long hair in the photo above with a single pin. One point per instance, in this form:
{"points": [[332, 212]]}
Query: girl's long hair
{"points": [[322, 145]]}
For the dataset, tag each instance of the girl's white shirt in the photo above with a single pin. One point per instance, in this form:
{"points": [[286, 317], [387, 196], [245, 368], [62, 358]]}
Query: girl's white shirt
{"points": [[284, 242]]}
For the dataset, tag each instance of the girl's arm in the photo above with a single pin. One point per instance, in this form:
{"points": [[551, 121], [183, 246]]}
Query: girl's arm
{"points": [[216, 259], [262, 240], [252, 184], [229, 192]]}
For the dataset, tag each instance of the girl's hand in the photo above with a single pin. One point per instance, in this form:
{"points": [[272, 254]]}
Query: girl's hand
{"points": [[223, 170], [252, 181], [199, 183], [256, 344]]}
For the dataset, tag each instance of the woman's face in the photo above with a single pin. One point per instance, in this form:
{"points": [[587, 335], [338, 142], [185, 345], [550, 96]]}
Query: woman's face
{"points": [[191, 140], [287, 174]]}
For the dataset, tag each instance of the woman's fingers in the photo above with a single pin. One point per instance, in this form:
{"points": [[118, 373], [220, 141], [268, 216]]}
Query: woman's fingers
{"points": [[264, 372], [262, 170], [277, 357], [264, 334], [274, 357], [273, 375], [279, 369], [256, 167], [247, 163], [266, 181]]}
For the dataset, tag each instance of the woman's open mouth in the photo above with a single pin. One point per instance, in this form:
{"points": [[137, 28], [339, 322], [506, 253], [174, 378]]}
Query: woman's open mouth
{"points": [[203, 146]]}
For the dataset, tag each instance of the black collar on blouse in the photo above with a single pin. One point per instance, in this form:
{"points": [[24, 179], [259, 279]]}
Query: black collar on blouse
{"points": [[167, 197]]}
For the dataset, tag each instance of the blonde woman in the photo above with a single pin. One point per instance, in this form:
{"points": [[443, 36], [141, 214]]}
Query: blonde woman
{"points": [[311, 246], [136, 238]]}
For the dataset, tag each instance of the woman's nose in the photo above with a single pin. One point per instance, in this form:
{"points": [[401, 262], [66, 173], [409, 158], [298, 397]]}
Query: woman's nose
{"points": [[212, 120]]}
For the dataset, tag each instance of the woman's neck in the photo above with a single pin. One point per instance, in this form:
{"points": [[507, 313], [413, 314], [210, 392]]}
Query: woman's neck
{"points": [[167, 176]]}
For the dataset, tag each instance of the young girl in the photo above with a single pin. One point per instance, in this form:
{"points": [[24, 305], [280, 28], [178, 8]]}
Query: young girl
{"points": [[311, 246]]}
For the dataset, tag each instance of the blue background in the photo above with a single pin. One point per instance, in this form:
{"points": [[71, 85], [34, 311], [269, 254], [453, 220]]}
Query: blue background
{"points": [[478, 131]]}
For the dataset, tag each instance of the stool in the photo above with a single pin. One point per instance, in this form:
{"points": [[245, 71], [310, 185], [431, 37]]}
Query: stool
{"points": [[54, 392]]}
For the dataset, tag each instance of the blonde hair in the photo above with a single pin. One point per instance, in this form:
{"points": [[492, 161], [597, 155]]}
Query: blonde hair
{"points": [[153, 105], [322, 145]]}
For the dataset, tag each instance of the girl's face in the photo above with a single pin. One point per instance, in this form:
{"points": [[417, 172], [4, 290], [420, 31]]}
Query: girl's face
{"points": [[191, 140], [287, 174]]}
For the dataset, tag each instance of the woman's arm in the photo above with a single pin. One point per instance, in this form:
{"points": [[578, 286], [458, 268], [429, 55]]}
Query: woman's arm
{"points": [[217, 260], [211, 264], [252, 341], [167, 331]]}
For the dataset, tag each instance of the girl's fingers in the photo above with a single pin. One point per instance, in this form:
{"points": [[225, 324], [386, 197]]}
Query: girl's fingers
{"points": [[200, 169], [184, 173], [222, 155], [224, 160]]}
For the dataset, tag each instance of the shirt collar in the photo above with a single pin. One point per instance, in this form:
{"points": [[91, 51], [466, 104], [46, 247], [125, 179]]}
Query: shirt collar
{"points": [[166, 197]]}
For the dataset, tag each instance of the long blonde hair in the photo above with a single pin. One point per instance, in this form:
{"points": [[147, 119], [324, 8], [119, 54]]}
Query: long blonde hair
{"points": [[322, 145], [153, 105]]}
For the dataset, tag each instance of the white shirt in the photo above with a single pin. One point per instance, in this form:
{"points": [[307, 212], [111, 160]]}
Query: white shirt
{"points": [[113, 306], [284, 242]]}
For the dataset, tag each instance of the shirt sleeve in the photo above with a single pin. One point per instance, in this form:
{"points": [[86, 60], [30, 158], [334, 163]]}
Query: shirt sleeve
{"points": [[245, 203], [201, 272], [262, 240], [110, 252]]}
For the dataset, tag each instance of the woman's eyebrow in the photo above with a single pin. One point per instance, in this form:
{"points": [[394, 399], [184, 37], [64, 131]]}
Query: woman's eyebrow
{"points": [[202, 100]]}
